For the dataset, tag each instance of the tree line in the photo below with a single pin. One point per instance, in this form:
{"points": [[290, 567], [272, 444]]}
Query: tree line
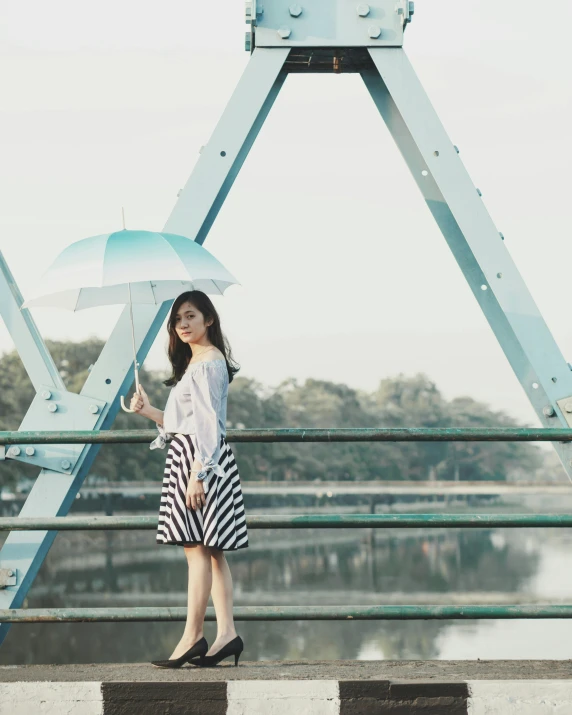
{"points": [[401, 401]]}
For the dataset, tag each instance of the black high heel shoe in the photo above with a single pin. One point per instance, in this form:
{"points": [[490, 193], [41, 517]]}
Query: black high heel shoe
{"points": [[234, 647], [197, 651]]}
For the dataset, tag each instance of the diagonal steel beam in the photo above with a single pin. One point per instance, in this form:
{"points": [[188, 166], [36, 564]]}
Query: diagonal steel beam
{"points": [[478, 247], [112, 375], [222, 158], [29, 343]]}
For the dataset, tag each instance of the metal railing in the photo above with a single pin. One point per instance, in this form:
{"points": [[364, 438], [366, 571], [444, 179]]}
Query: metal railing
{"points": [[288, 613], [350, 434], [315, 521], [320, 521]]}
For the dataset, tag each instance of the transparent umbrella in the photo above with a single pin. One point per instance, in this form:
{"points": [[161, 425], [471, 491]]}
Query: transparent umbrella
{"points": [[129, 267]]}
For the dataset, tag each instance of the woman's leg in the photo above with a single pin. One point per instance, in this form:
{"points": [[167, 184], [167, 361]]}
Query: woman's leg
{"points": [[200, 582], [222, 600]]}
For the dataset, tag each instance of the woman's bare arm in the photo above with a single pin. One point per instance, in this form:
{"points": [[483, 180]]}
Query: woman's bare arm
{"points": [[141, 405], [153, 414]]}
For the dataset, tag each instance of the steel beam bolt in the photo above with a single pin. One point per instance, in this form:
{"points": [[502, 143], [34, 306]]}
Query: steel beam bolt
{"points": [[568, 407], [30, 451], [295, 10], [65, 464], [548, 411], [14, 452], [374, 31], [52, 407], [94, 409], [46, 394], [363, 10], [284, 32]]}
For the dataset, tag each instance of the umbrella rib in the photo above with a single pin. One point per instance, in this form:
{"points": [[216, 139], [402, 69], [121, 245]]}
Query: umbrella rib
{"points": [[174, 250], [102, 283]]}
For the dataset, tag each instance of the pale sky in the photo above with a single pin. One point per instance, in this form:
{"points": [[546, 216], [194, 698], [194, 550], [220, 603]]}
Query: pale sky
{"points": [[344, 273]]}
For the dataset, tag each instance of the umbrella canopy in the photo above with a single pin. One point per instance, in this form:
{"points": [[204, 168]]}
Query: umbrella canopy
{"points": [[153, 267], [128, 267]]}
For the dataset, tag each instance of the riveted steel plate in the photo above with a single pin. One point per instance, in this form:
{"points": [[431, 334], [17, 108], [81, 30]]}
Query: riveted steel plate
{"points": [[62, 410], [565, 405], [332, 23], [7, 577]]}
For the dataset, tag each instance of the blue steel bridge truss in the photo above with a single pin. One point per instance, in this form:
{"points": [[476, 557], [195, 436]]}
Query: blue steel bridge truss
{"points": [[283, 39]]}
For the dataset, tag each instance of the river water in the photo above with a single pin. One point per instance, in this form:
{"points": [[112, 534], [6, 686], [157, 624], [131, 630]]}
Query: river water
{"points": [[311, 567]]}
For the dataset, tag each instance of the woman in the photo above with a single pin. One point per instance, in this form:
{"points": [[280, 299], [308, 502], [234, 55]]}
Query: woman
{"points": [[202, 508]]}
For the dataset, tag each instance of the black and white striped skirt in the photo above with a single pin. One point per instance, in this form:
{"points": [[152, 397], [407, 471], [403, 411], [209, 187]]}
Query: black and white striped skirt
{"points": [[221, 522]]}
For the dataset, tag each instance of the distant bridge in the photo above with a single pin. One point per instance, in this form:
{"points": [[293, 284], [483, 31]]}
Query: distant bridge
{"points": [[370, 488]]}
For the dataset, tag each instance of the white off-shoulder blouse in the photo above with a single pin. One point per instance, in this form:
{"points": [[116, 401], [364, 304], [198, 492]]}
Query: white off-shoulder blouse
{"points": [[197, 407]]}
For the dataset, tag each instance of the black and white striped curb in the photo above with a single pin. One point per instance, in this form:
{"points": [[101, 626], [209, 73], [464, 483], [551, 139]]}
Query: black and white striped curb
{"points": [[289, 697]]}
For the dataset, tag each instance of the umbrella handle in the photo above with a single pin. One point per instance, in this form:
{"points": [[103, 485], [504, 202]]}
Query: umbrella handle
{"points": [[125, 409]]}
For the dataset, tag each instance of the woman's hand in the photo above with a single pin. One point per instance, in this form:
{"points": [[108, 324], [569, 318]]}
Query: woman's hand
{"points": [[140, 403], [195, 497]]}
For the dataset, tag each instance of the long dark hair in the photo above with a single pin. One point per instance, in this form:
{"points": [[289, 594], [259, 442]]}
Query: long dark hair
{"points": [[180, 353]]}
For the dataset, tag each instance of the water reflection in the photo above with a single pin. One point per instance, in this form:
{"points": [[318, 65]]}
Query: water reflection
{"points": [[295, 567]]}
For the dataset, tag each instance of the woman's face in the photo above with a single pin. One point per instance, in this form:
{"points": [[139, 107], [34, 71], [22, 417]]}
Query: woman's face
{"points": [[190, 324]]}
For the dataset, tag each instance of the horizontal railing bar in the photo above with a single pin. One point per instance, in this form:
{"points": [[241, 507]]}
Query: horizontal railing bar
{"points": [[316, 521], [444, 434], [287, 613]]}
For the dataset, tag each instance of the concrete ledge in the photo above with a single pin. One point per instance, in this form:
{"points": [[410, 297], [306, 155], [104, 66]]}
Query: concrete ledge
{"points": [[400, 670], [247, 697], [291, 688]]}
